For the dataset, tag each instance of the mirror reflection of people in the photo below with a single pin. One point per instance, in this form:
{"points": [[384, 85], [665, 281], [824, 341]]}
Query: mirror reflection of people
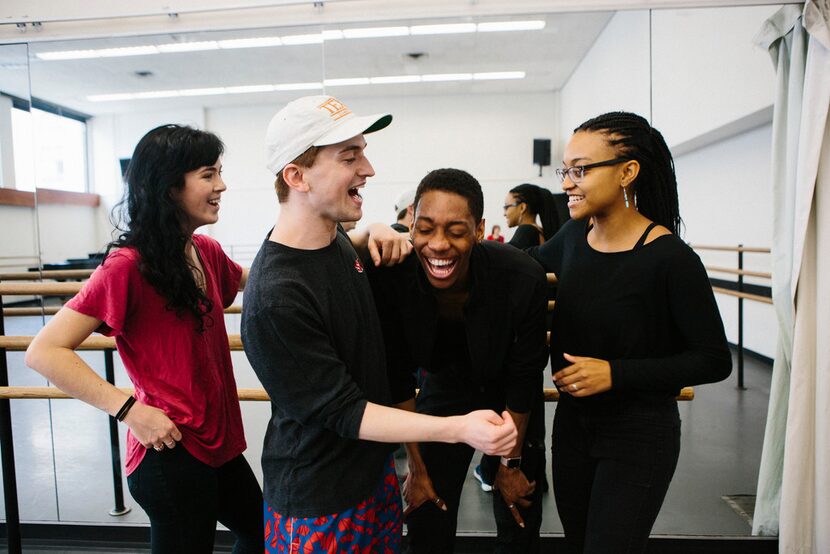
{"points": [[522, 206], [160, 291], [312, 335], [470, 314], [495, 234], [403, 210], [635, 321]]}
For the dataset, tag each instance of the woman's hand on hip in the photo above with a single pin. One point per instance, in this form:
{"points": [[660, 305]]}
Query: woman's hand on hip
{"points": [[151, 427]]}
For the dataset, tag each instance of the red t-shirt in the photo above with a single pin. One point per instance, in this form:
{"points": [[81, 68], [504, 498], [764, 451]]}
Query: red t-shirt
{"points": [[173, 367]]}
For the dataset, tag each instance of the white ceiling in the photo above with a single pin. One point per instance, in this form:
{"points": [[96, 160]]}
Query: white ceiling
{"points": [[548, 57]]}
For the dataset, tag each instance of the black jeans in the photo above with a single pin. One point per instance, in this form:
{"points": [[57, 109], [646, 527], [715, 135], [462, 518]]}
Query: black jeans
{"points": [[430, 530], [610, 476], [184, 498]]}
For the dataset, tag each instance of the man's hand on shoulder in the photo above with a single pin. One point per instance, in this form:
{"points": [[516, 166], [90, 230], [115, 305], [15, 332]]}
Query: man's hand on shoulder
{"points": [[385, 245]]}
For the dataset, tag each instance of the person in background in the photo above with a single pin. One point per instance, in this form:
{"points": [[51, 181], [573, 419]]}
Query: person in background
{"points": [[161, 291], [495, 234], [311, 332], [471, 314], [522, 206], [403, 207], [635, 321]]}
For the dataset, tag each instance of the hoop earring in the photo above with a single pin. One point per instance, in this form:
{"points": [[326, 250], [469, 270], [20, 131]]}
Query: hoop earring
{"points": [[625, 196], [635, 201]]}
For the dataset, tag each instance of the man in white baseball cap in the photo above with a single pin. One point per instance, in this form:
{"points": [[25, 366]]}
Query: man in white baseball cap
{"points": [[312, 335], [405, 211]]}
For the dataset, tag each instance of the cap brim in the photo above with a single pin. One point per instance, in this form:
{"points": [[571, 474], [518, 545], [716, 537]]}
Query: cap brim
{"points": [[355, 126]]}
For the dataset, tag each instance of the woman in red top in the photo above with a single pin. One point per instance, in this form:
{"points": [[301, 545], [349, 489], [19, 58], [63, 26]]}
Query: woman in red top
{"points": [[160, 292]]}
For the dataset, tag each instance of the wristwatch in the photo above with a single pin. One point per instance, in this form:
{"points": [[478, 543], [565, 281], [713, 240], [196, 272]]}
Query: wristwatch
{"points": [[511, 463]]}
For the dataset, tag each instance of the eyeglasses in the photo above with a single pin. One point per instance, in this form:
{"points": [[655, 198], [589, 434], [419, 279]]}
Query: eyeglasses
{"points": [[513, 205], [577, 172]]}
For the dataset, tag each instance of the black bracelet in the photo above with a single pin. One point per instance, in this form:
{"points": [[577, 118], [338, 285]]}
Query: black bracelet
{"points": [[122, 413]]}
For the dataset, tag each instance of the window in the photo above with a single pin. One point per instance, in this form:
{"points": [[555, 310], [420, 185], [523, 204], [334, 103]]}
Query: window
{"points": [[49, 150]]}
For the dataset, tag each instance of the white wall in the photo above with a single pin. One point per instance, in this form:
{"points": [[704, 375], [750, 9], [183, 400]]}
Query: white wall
{"points": [[725, 199], [613, 76], [491, 136]]}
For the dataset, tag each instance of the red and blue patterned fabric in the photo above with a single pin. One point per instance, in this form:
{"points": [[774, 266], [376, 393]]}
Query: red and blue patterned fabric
{"points": [[373, 526]]}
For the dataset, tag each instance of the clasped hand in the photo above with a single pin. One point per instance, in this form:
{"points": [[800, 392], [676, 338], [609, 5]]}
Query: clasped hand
{"points": [[584, 377]]}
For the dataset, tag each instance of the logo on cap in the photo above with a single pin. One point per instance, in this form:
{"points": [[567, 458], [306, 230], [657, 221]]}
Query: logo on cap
{"points": [[336, 108]]}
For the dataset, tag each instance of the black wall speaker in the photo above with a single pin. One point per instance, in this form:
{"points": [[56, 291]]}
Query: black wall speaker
{"points": [[541, 152]]}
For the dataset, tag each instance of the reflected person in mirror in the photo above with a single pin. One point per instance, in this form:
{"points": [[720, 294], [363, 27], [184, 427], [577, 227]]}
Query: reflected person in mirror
{"points": [[635, 321]]}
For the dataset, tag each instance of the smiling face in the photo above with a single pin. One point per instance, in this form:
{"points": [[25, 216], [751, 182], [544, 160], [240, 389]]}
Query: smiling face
{"points": [[443, 236], [200, 195], [335, 178], [512, 211], [600, 191]]}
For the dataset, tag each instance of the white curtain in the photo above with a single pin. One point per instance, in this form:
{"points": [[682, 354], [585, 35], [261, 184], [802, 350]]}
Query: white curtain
{"points": [[794, 482]]}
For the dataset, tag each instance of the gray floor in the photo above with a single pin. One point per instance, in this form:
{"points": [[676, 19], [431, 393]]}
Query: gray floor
{"points": [[64, 468]]}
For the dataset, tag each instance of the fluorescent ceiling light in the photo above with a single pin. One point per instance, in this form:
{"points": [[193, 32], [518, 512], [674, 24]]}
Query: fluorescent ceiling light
{"points": [[442, 77], [317, 38], [298, 86], [499, 75], [283, 87], [188, 46], [68, 55], [333, 34], [156, 94], [496, 26], [376, 32], [346, 82], [127, 51], [250, 42], [394, 79], [303, 39], [249, 88], [111, 97], [202, 91], [448, 29]]}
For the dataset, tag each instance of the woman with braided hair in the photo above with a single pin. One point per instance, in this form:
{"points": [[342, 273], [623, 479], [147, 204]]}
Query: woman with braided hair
{"points": [[635, 321]]}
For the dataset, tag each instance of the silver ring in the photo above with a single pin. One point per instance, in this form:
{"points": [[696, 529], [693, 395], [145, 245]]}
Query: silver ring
{"points": [[511, 506], [574, 387], [158, 448]]}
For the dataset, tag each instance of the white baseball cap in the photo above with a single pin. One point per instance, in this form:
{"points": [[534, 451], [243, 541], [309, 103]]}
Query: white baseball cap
{"points": [[314, 121], [405, 199]]}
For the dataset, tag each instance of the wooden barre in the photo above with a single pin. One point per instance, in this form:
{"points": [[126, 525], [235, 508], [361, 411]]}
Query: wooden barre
{"points": [[745, 295], [761, 274], [95, 342], [731, 248], [52, 310], [551, 277], [40, 289], [46, 274], [54, 393]]}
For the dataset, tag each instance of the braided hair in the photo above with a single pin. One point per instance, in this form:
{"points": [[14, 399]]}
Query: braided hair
{"points": [[539, 202], [150, 220], [655, 186]]}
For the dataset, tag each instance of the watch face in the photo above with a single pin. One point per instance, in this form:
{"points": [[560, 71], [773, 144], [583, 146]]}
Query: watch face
{"points": [[512, 463]]}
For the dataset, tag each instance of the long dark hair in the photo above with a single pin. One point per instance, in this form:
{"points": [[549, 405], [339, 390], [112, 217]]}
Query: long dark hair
{"points": [[539, 202], [656, 185], [149, 219]]}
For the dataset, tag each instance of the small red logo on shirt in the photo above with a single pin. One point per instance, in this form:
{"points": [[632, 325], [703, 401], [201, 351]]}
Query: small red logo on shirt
{"points": [[358, 266]]}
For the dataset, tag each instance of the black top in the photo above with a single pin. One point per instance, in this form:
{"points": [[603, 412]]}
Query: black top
{"points": [[525, 236], [311, 333], [504, 354], [649, 311]]}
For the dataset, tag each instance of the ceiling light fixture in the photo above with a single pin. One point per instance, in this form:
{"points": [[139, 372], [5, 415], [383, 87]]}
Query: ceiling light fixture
{"points": [[291, 40], [286, 87]]}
